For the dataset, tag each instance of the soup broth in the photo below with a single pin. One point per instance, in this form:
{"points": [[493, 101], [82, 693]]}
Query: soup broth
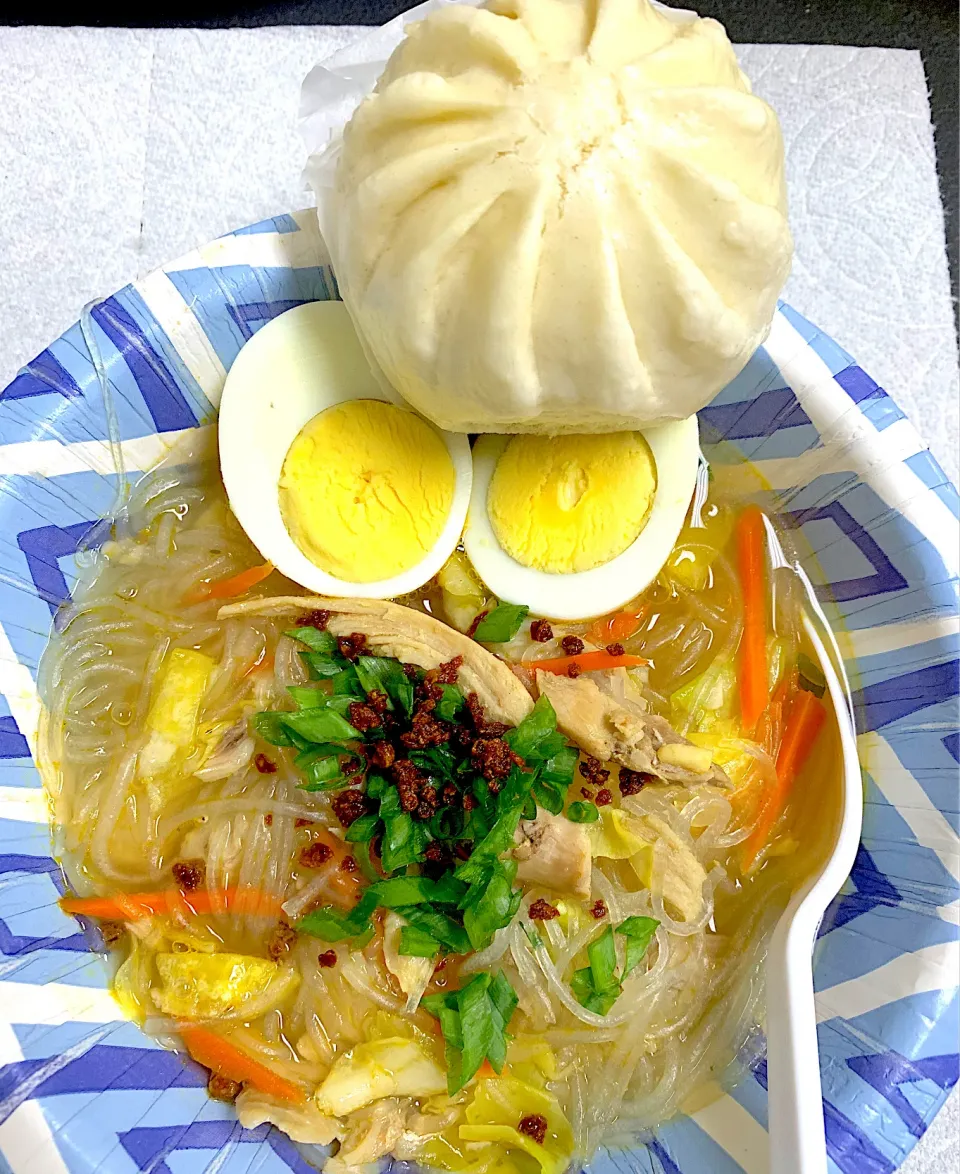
{"points": [[165, 815]]}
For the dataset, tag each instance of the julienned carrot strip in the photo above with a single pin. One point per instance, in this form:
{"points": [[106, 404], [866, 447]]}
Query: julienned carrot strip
{"points": [[588, 662], [769, 730], [202, 902], [751, 567], [485, 1070], [224, 1058], [122, 907], [620, 626], [228, 588], [806, 717]]}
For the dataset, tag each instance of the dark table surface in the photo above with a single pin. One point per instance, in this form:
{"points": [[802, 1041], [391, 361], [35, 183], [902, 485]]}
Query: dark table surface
{"points": [[932, 26]]}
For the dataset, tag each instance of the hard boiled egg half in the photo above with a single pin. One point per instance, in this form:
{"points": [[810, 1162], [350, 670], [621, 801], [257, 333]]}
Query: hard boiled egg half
{"points": [[575, 526], [337, 482]]}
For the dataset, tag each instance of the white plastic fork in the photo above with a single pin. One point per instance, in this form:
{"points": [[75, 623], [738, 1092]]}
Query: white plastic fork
{"points": [[795, 1102]]}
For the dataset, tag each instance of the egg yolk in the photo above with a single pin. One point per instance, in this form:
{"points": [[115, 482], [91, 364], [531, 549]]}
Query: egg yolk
{"points": [[571, 503], [365, 490]]}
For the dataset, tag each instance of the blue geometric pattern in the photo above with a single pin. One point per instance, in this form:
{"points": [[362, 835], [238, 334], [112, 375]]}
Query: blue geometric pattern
{"points": [[877, 536]]}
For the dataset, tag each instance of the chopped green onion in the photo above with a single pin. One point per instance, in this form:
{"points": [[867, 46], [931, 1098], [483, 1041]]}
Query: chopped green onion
{"points": [[438, 925], [548, 797], [317, 750], [639, 932], [537, 726], [346, 683], [450, 703], [490, 903], [333, 925], [497, 840], [602, 954], [501, 624], [587, 995], [364, 857], [307, 696], [559, 770], [384, 674], [437, 762], [322, 666], [416, 943], [269, 726], [314, 639], [323, 774], [414, 890], [474, 1023], [363, 829], [598, 986], [320, 725], [377, 786]]}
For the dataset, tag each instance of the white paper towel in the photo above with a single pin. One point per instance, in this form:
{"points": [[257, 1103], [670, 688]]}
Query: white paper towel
{"points": [[120, 149]]}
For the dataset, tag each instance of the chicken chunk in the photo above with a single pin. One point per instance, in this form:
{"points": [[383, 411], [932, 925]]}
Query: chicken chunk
{"points": [[678, 875], [610, 732], [412, 637], [302, 1123], [372, 1133], [555, 853]]}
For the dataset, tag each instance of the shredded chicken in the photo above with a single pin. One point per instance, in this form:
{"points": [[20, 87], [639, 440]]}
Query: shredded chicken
{"points": [[414, 638], [677, 872], [302, 1123], [233, 752], [610, 732], [555, 853], [420, 1127], [371, 1134]]}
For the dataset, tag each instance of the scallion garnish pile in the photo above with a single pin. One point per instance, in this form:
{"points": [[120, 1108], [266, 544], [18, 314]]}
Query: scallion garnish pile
{"points": [[422, 781]]}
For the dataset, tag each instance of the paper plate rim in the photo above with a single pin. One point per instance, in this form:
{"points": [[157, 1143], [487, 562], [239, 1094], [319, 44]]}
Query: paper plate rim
{"points": [[856, 418]]}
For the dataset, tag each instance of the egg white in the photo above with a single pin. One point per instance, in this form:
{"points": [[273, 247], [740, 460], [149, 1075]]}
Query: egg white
{"points": [[582, 594], [302, 362]]}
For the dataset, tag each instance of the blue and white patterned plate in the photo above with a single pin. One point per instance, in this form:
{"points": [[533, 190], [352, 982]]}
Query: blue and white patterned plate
{"points": [[83, 1091]]}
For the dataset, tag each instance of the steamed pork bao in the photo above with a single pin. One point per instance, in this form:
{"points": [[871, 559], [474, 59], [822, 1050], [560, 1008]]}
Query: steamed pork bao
{"points": [[559, 216]]}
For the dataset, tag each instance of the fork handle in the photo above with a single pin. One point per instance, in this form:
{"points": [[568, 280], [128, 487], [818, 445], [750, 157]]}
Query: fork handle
{"points": [[794, 1099]]}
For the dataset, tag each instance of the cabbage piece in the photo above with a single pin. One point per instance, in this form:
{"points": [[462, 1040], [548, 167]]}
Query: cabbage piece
{"points": [[708, 703], [413, 974], [531, 1059], [498, 1106], [616, 835], [737, 756], [464, 596], [705, 700], [131, 984], [172, 722], [214, 986], [381, 1068]]}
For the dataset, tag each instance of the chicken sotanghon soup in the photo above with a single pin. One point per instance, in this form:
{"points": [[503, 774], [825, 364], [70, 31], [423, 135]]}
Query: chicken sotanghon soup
{"points": [[434, 877], [435, 768]]}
